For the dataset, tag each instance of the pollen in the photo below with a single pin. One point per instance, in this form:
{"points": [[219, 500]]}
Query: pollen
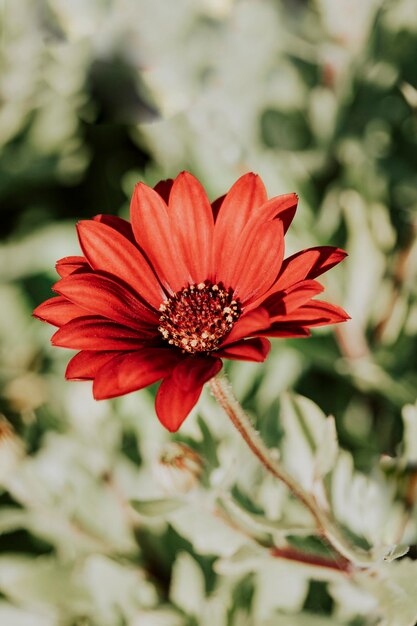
{"points": [[197, 318]]}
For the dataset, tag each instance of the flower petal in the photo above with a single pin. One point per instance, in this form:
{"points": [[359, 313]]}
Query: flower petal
{"points": [[173, 404], [192, 225], [100, 295], [131, 371], [247, 325], [215, 206], [303, 265], [316, 313], [284, 330], [164, 188], [256, 349], [152, 229], [259, 258], [284, 302], [70, 264], [308, 264], [85, 364], [58, 311], [242, 199], [107, 250], [122, 226], [96, 333], [179, 392], [282, 207]]}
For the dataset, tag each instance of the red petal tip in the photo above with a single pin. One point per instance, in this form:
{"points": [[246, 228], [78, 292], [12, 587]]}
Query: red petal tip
{"points": [[38, 317]]}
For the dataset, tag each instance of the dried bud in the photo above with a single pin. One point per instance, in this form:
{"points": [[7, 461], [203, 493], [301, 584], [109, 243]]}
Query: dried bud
{"points": [[11, 449], [25, 393], [178, 468]]}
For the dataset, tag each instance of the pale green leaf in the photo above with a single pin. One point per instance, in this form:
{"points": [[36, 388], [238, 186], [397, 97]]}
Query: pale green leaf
{"points": [[43, 582], [207, 531], [157, 508], [246, 559], [409, 414], [115, 589], [13, 616], [259, 524], [395, 552], [394, 585], [278, 586], [302, 619], [187, 589], [12, 518], [327, 449], [310, 442]]}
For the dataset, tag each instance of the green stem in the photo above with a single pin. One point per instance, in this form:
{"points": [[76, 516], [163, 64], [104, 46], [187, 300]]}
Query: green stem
{"points": [[223, 393]]}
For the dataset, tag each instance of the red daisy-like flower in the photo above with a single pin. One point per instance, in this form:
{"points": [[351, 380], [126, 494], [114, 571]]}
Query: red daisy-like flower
{"points": [[182, 286]]}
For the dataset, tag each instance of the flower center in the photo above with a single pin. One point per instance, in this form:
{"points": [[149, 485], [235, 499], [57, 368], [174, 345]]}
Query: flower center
{"points": [[196, 318]]}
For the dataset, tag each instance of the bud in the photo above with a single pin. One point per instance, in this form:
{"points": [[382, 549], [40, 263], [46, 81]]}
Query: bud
{"points": [[11, 450], [178, 468], [26, 393]]}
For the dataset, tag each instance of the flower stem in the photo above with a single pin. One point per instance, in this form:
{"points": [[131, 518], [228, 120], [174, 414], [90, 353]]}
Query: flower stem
{"points": [[223, 393], [340, 564]]}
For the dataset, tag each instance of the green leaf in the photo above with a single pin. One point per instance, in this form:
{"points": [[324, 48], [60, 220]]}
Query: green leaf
{"points": [[327, 449], [43, 582], [13, 616], [115, 588], [187, 589], [259, 524], [274, 575], [12, 518], [310, 441], [394, 585], [207, 531], [158, 507], [247, 558], [395, 552], [209, 444], [409, 415], [302, 619]]}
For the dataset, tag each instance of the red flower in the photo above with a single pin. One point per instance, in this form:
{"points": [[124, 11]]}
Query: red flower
{"points": [[183, 286]]}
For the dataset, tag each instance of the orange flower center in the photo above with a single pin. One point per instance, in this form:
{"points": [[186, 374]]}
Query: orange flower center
{"points": [[196, 318]]}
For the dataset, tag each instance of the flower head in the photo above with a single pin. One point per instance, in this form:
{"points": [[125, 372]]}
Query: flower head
{"points": [[178, 468], [182, 286]]}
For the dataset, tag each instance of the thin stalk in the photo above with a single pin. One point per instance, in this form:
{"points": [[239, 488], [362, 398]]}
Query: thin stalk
{"points": [[223, 393], [339, 563]]}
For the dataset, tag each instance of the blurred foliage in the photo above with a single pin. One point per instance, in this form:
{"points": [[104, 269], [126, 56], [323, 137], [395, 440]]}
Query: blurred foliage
{"points": [[318, 97]]}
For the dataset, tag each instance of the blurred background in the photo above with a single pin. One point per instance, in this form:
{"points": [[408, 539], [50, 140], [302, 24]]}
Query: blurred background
{"points": [[318, 97]]}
